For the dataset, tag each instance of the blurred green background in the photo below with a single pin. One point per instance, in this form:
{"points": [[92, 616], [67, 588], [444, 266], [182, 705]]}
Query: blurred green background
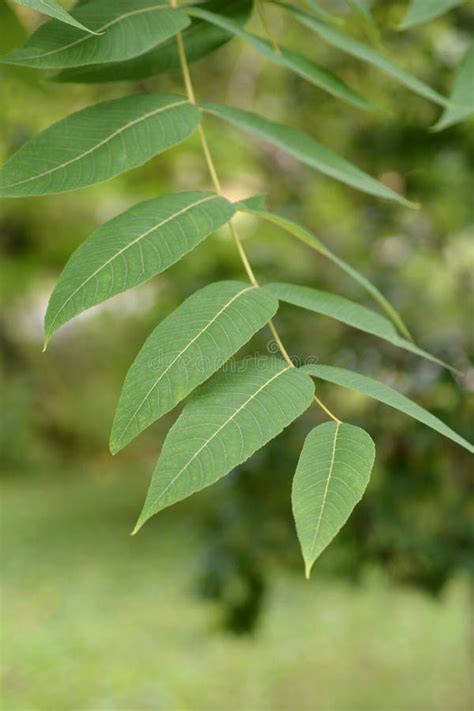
{"points": [[208, 608]]}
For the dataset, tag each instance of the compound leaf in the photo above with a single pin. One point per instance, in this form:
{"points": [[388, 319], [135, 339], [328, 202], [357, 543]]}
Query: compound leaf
{"points": [[185, 349], [332, 474], [347, 311], [131, 248], [228, 419], [333, 36], [126, 28], [312, 241], [386, 394], [420, 11], [288, 59], [98, 143], [200, 39], [305, 148], [52, 9]]}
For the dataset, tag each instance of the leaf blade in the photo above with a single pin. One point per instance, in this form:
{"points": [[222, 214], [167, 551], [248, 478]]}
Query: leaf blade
{"points": [[52, 9], [331, 477], [191, 344], [462, 95], [421, 11], [223, 424], [312, 241], [131, 248], [286, 58], [389, 396], [79, 150], [305, 148], [123, 29], [346, 311]]}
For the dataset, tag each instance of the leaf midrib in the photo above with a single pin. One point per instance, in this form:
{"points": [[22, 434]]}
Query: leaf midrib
{"points": [[128, 246], [150, 8], [193, 340], [219, 429], [326, 490]]}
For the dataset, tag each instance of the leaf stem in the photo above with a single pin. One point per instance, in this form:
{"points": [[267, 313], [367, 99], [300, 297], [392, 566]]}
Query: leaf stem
{"points": [[218, 187]]}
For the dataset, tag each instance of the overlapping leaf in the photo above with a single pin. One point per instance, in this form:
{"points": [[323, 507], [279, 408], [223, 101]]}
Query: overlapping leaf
{"points": [[386, 394], [332, 474], [305, 148], [314, 73], [185, 349], [53, 9], [228, 419], [131, 248], [200, 39], [126, 28], [462, 96], [361, 51], [420, 11], [98, 143], [347, 311], [312, 241]]}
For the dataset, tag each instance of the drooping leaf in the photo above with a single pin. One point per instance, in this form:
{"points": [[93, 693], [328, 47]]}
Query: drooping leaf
{"points": [[126, 28], [462, 96], [131, 248], [298, 63], [420, 11], [228, 419], [361, 51], [98, 143], [200, 39], [332, 474], [52, 9], [185, 349], [305, 148], [347, 311], [386, 394], [312, 241]]}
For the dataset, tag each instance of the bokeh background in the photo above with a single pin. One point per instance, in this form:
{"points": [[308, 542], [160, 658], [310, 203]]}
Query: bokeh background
{"points": [[208, 607]]}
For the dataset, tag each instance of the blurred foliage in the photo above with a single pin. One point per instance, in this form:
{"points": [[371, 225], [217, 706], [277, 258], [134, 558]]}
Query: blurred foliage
{"points": [[58, 407]]}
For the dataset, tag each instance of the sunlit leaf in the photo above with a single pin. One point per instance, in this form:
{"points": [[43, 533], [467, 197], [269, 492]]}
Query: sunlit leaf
{"points": [[386, 394], [312, 241], [131, 248], [98, 143], [420, 11], [228, 419], [347, 311], [361, 51], [332, 474], [185, 349], [126, 28], [312, 72], [200, 39], [305, 148]]}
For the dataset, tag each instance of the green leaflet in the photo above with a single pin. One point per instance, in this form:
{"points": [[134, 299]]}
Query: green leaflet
{"points": [[131, 248], [98, 143], [361, 51], [312, 241], [420, 11], [288, 59], [386, 394], [52, 9], [200, 39], [185, 349], [332, 474], [462, 96], [228, 419], [306, 149], [126, 28], [347, 311]]}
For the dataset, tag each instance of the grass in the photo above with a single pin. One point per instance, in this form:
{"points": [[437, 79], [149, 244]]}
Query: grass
{"points": [[95, 620]]}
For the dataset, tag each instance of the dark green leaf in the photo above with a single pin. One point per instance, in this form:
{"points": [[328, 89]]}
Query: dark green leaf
{"points": [[52, 9]]}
